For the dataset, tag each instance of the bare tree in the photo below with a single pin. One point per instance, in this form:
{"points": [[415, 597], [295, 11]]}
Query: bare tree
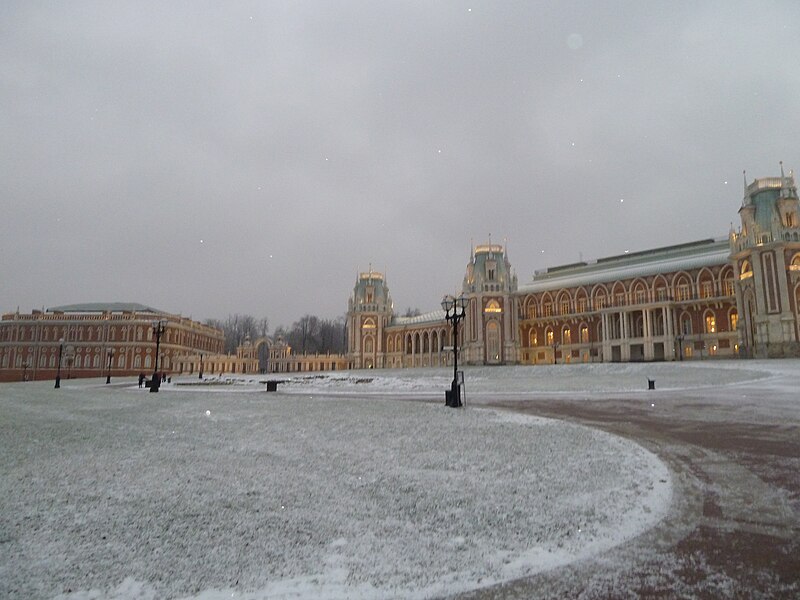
{"points": [[237, 328]]}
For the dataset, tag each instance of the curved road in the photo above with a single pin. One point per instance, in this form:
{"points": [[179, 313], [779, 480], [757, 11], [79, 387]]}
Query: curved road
{"points": [[733, 530]]}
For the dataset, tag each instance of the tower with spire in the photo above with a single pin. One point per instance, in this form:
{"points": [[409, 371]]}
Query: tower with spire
{"points": [[765, 253], [369, 312], [490, 328]]}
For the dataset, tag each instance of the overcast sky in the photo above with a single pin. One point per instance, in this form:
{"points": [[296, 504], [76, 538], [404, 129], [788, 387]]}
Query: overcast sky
{"points": [[252, 157]]}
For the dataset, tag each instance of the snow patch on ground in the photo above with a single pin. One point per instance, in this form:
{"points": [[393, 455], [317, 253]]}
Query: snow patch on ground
{"points": [[115, 493]]}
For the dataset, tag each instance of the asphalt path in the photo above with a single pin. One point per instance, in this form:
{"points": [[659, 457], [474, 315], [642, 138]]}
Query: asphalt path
{"points": [[733, 530]]}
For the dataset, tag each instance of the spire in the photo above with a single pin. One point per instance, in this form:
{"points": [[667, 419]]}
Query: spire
{"points": [[780, 162], [744, 175]]}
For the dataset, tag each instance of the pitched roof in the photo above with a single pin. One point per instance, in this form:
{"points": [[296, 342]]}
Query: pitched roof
{"points": [[101, 307], [693, 255]]}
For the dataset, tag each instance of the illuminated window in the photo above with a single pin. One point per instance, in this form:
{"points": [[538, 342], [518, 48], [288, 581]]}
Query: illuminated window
{"points": [[727, 286], [566, 336], [492, 307], [581, 305], [734, 319], [548, 309], [533, 338], [711, 323], [599, 302], [683, 291], [746, 270], [584, 334], [565, 307], [549, 336]]}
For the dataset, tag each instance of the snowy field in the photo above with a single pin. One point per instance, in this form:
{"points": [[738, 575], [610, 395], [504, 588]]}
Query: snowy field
{"points": [[331, 487]]}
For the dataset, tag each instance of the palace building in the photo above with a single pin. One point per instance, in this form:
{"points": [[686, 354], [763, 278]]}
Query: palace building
{"points": [[714, 298], [94, 340]]}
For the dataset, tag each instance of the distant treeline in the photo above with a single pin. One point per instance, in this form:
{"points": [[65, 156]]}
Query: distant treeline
{"points": [[309, 335]]}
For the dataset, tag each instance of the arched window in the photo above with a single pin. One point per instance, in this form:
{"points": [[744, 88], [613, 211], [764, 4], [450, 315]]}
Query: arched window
{"points": [[368, 345], [533, 338], [711, 322], [566, 335], [549, 336], [746, 270], [733, 319], [492, 307], [686, 324], [584, 334]]}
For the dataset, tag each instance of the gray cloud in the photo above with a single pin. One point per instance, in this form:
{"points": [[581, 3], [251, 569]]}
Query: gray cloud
{"points": [[251, 157]]}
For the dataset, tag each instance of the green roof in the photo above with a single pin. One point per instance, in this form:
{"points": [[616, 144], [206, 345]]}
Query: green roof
{"points": [[103, 307]]}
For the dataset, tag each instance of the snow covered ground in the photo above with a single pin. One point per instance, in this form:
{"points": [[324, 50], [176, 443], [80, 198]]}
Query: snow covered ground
{"points": [[329, 488]]}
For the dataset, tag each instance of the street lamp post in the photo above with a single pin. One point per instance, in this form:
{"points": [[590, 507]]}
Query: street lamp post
{"points": [[455, 309], [58, 371], [110, 358], [679, 338], [158, 328], [201, 365]]}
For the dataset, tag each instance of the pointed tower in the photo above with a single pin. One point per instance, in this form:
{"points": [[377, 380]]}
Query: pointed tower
{"points": [[765, 254], [490, 328], [369, 312]]}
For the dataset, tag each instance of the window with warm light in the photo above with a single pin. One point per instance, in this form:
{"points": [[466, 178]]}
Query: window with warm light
{"points": [[711, 323], [566, 336], [727, 285], [492, 307], [584, 334], [734, 320], [549, 336]]}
